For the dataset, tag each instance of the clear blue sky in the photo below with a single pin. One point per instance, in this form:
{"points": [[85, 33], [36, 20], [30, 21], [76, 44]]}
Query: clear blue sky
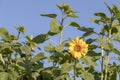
{"points": [[27, 13]]}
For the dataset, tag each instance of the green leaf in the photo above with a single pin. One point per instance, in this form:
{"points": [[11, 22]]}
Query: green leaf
{"points": [[86, 29], [4, 75], [117, 38], [116, 51], [79, 69], [102, 15], [66, 7], [74, 24], [95, 20], [51, 33], [104, 44], [46, 74], [59, 6], [87, 34], [90, 40], [40, 38], [72, 15], [4, 34], [13, 75], [114, 30], [59, 48], [88, 61], [49, 48], [38, 67], [49, 15], [38, 57], [26, 49], [66, 68], [54, 26], [87, 76], [109, 8], [95, 55]]}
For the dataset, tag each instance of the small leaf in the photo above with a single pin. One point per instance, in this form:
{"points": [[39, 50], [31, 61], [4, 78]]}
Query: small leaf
{"points": [[87, 76], [117, 38], [72, 15], [109, 8], [26, 49], [66, 68], [66, 7], [74, 24], [114, 30], [90, 40], [4, 34], [40, 38], [102, 15], [49, 15], [49, 48], [21, 29], [51, 33], [38, 57], [86, 29], [59, 48], [47, 74], [59, 6], [107, 46], [54, 26], [116, 51]]}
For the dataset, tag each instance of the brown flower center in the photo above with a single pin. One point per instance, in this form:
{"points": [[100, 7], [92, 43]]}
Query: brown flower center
{"points": [[77, 48]]}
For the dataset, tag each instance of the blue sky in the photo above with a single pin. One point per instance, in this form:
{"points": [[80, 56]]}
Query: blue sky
{"points": [[27, 13]]}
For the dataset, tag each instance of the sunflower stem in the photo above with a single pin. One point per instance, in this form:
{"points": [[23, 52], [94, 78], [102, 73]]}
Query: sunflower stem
{"points": [[75, 69], [102, 63]]}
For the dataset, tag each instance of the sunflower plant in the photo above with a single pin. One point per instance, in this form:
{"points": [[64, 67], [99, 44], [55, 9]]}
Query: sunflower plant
{"points": [[76, 58]]}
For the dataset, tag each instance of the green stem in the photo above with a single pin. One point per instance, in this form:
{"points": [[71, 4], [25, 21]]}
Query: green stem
{"points": [[75, 69], [107, 56], [60, 42], [102, 64], [106, 66]]}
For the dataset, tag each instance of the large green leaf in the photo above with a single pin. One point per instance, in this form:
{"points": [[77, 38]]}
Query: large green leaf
{"points": [[49, 15], [40, 38], [4, 34], [54, 26], [88, 61]]}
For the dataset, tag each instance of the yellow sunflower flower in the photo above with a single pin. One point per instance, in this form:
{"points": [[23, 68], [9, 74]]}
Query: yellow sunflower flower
{"points": [[78, 48]]}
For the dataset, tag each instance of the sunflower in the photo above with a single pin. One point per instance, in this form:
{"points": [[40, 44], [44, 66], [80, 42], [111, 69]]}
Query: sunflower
{"points": [[78, 48]]}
